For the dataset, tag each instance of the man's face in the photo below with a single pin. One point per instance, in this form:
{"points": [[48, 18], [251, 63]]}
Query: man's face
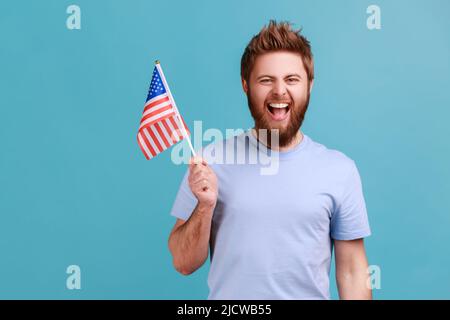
{"points": [[278, 93]]}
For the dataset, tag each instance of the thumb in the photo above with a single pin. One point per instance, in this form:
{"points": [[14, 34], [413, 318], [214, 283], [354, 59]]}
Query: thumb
{"points": [[198, 160]]}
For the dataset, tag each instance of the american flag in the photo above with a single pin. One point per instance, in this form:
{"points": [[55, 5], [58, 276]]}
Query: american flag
{"points": [[160, 125]]}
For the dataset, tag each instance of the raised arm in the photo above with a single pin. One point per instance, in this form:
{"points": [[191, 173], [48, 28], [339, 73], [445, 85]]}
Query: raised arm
{"points": [[189, 240]]}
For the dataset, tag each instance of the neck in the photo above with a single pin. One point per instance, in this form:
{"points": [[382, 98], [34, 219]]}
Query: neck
{"points": [[292, 144]]}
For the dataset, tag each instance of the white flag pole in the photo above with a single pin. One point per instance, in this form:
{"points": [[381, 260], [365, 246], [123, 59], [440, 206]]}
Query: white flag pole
{"points": [[183, 130]]}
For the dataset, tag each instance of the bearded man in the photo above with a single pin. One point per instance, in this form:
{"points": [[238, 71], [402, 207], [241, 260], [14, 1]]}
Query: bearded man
{"points": [[272, 236]]}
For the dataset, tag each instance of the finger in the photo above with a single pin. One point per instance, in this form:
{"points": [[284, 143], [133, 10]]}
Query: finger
{"points": [[200, 178], [199, 173], [195, 169], [204, 174], [197, 160], [193, 160], [192, 165], [205, 185], [200, 186]]}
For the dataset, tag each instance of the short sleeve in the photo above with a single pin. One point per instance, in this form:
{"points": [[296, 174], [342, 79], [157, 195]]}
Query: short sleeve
{"points": [[350, 221], [185, 201]]}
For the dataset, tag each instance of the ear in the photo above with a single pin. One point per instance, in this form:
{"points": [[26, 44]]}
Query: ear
{"points": [[244, 85], [311, 84]]}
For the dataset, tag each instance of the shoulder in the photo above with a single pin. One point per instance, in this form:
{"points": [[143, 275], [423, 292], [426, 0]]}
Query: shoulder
{"points": [[329, 158]]}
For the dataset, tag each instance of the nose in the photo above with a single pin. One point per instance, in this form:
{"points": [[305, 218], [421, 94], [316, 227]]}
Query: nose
{"points": [[279, 89]]}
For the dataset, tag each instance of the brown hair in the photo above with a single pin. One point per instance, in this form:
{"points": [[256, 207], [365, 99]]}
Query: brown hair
{"points": [[277, 36]]}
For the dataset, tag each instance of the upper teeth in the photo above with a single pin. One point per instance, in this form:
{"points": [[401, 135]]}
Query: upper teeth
{"points": [[278, 105]]}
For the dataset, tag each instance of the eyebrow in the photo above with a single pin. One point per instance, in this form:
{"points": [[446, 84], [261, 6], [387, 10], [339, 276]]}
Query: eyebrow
{"points": [[269, 76]]}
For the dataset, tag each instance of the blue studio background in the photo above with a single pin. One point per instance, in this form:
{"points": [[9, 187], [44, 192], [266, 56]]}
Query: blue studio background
{"points": [[76, 189]]}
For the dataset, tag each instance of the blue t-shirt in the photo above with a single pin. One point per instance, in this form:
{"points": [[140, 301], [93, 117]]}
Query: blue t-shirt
{"points": [[271, 234]]}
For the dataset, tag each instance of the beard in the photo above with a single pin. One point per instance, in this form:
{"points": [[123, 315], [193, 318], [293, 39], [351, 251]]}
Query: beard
{"points": [[284, 134]]}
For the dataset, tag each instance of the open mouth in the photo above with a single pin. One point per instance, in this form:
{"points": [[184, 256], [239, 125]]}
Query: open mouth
{"points": [[278, 111]]}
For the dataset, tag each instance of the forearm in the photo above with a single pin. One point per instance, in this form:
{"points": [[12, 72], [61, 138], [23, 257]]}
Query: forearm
{"points": [[352, 274], [354, 284], [189, 243]]}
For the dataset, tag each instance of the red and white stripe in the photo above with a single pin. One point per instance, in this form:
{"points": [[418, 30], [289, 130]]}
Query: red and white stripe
{"points": [[160, 127]]}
